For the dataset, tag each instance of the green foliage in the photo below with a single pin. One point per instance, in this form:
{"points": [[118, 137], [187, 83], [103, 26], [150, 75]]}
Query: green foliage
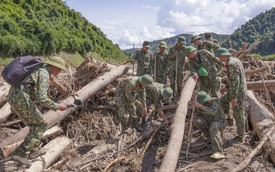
{"points": [[270, 57], [44, 27], [262, 28]]}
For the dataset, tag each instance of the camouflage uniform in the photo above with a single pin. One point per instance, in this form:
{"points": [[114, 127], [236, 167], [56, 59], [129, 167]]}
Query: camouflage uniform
{"points": [[211, 83], [126, 95], [145, 62], [25, 100], [209, 46], [161, 67], [172, 56], [237, 89], [153, 93], [211, 120]]}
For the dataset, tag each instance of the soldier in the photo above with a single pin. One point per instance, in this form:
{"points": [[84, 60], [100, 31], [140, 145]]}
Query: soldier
{"points": [[161, 64], [176, 65], [205, 66], [129, 92], [145, 61], [157, 93], [211, 120], [236, 90], [26, 100], [208, 44]]}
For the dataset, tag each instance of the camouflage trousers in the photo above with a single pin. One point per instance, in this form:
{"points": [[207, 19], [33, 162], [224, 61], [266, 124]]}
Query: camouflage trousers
{"points": [[124, 108], [172, 78], [30, 115], [238, 113], [212, 130], [210, 87]]}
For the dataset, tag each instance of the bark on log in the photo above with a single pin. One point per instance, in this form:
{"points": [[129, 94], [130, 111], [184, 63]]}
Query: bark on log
{"points": [[251, 72], [54, 117], [177, 129], [5, 112], [54, 149], [259, 85], [4, 90], [262, 120]]}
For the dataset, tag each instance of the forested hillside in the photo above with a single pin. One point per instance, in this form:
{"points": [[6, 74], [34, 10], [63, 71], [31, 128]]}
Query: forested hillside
{"points": [[44, 27], [262, 27]]}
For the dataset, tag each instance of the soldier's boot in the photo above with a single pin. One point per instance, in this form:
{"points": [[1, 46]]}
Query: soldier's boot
{"points": [[143, 123], [36, 152], [137, 126]]}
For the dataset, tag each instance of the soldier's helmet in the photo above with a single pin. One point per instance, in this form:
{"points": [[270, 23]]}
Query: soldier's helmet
{"points": [[203, 97], [146, 79], [223, 52], [166, 93], [207, 35], [193, 38], [181, 39], [56, 61], [188, 50], [162, 44]]}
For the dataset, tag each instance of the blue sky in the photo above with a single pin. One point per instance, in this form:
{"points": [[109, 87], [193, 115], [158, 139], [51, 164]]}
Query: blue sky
{"points": [[128, 22]]}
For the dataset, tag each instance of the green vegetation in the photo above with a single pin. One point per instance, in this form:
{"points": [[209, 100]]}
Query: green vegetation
{"points": [[262, 28], [46, 27], [270, 57]]}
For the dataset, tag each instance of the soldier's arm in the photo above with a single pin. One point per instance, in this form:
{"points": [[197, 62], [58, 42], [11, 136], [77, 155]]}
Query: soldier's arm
{"points": [[41, 89], [212, 110], [214, 59], [233, 84], [129, 93]]}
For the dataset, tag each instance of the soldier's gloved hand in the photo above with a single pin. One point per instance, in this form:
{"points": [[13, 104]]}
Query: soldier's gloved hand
{"points": [[233, 102], [62, 106], [195, 76]]}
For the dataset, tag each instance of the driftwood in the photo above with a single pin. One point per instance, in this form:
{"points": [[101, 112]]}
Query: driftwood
{"points": [[50, 132], [5, 112], [262, 120], [177, 129], [4, 90], [259, 85], [252, 72], [54, 149], [54, 117], [247, 51], [247, 160]]}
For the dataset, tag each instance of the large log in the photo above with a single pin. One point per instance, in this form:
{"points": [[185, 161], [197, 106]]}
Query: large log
{"points": [[177, 129], [4, 90], [259, 85], [54, 117], [5, 112], [262, 120], [54, 149]]}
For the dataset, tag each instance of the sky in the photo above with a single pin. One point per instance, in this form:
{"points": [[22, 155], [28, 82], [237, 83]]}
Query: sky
{"points": [[128, 22]]}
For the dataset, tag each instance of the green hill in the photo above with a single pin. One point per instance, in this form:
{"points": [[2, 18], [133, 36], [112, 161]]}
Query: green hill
{"points": [[45, 27], [262, 28]]}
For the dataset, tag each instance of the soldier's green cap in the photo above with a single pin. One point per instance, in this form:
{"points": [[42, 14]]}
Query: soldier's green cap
{"points": [[202, 72], [162, 44], [146, 79], [203, 97], [189, 49], [223, 52], [181, 39], [166, 93], [193, 38], [207, 35], [56, 61], [146, 44]]}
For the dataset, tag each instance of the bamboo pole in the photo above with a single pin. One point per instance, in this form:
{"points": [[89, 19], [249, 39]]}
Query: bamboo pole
{"points": [[177, 129], [54, 117]]}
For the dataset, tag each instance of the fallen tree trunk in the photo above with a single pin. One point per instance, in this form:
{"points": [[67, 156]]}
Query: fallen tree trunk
{"points": [[259, 85], [54, 149], [5, 112], [54, 117], [262, 120], [4, 90], [170, 159], [252, 72]]}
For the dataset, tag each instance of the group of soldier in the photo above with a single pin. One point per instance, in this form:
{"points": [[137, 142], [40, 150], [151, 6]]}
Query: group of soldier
{"points": [[220, 81]]}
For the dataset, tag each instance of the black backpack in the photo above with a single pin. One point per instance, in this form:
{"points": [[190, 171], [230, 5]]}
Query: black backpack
{"points": [[18, 69]]}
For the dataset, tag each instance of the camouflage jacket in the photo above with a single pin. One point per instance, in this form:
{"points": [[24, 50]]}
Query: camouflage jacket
{"points": [[212, 111], [174, 54], [209, 46], [236, 81], [37, 87], [153, 93], [207, 60], [145, 62], [128, 91], [161, 65]]}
